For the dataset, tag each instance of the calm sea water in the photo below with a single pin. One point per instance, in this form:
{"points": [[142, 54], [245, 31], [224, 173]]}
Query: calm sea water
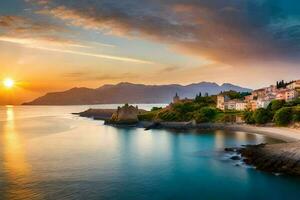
{"points": [[46, 153]]}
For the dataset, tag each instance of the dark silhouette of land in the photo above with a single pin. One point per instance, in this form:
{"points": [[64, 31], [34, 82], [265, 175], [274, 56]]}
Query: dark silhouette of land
{"points": [[131, 93]]}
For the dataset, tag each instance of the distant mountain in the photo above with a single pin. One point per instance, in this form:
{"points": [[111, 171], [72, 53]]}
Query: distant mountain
{"points": [[131, 93]]}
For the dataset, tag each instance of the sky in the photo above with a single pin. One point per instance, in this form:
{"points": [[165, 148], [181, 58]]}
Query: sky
{"points": [[54, 45]]}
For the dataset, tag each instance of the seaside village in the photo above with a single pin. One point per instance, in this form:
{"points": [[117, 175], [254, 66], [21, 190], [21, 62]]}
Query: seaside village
{"points": [[260, 98]]}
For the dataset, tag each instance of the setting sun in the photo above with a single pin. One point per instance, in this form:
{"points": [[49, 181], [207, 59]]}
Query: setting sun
{"points": [[8, 83]]}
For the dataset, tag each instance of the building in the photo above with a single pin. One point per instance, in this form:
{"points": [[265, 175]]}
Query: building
{"points": [[259, 93], [248, 98], [262, 103], [252, 105], [176, 98], [295, 85], [221, 100], [291, 94], [225, 103], [230, 105], [281, 95], [270, 97], [272, 89], [240, 105]]}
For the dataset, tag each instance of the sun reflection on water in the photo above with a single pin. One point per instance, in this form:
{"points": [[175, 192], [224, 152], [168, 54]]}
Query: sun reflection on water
{"points": [[16, 168]]}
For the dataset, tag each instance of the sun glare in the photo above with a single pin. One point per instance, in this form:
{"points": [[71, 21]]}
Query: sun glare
{"points": [[8, 83]]}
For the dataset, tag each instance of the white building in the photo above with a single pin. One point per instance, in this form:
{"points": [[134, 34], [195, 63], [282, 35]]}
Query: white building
{"points": [[240, 106], [261, 103], [230, 105]]}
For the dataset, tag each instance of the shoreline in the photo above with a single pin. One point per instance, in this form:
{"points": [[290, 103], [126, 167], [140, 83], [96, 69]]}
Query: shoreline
{"points": [[281, 133], [284, 134]]}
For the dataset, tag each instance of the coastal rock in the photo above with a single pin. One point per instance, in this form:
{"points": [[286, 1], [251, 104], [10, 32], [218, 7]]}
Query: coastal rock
{"points": [[100, 114], [125, 115], [228, 149], [277, 158], [153, 125], [235, 158]]}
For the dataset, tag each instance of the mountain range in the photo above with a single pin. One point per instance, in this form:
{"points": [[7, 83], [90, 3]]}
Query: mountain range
{"points": [[131, 93]]}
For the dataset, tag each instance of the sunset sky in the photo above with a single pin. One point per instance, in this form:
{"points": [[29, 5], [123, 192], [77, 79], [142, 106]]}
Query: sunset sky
{"points": [[53, 45]]}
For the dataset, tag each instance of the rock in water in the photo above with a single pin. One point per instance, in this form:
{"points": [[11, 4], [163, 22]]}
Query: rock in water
{"points": [[235, 158], [125, 115]]}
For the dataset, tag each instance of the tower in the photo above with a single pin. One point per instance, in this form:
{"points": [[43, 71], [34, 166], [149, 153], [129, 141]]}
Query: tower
{"points": [[176, 98]]}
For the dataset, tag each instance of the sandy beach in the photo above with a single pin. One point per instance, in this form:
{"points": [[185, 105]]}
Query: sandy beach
{"points": [[282, 133]]}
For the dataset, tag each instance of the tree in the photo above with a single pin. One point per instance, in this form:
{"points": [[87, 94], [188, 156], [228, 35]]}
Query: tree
{"points": [[156, 108], [235, 95], [283, 116], [261, 116], [183, 108], [248, 117], [206, 114], [275, 105], [198, 96], [296, 114], [295, 102], [169, 115]]}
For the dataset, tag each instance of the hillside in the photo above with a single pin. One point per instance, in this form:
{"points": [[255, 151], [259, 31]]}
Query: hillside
{"points": [[131, 93]]}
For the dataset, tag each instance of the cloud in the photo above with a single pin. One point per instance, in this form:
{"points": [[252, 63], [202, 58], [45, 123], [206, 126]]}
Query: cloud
{"points": [[20, 25], [26, 31], [169, 69], [96, 76], [45, 36], [233, 32], [105, 56], [44, 45]]}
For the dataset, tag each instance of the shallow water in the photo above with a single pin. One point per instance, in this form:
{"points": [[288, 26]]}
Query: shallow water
{"points": [[47, 153]]}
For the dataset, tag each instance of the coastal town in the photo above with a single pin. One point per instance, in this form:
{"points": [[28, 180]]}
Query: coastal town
{"points": [[261, 98]]}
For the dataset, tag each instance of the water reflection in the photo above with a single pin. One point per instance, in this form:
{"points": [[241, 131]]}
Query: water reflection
{"points": [[16, 168], [219, 139]]}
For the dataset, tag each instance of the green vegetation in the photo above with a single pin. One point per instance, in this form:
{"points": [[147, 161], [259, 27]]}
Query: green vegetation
{"points": [[205, 114], [280, 112], [201, 109], [148, 116], [275, 105], [261, 116], [248, 117], [283, 116], [235, 95], [156, 108]]}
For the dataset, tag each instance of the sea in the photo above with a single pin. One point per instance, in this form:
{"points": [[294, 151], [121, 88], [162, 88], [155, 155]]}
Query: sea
{"points": [[48, 153]]}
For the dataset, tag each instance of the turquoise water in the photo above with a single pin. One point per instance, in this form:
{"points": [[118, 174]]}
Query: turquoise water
{"points": [[46, 153]]}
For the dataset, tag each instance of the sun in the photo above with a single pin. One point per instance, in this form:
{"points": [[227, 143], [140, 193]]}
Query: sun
{"points": [[8, 83]]}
